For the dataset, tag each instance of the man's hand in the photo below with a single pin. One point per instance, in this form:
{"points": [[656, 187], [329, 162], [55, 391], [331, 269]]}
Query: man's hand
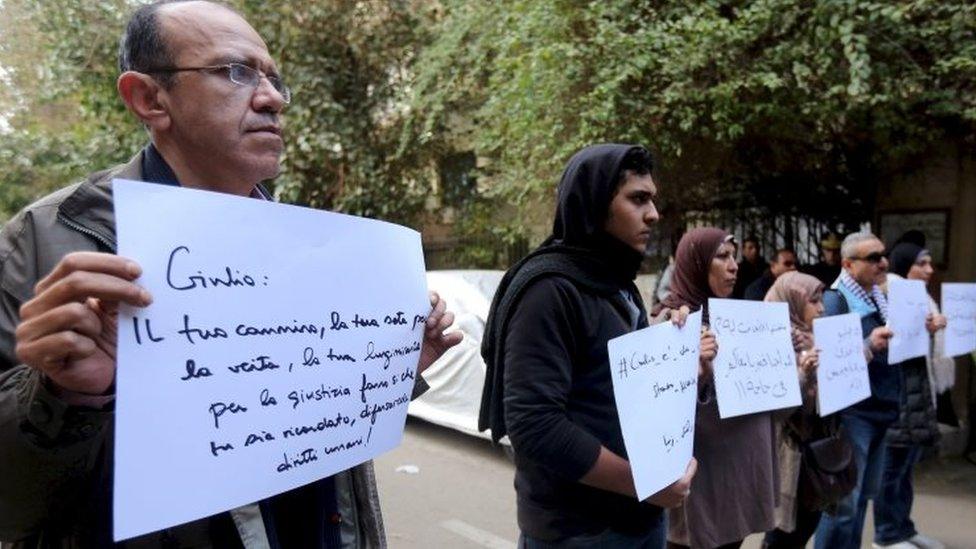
{"points": [[69, 329], [934, 322], [878, 340], [709, 348], [436, 342], [675, 494]]}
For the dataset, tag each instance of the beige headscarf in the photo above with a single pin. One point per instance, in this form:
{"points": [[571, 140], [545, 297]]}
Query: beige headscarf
{"points": [[796, 290]]}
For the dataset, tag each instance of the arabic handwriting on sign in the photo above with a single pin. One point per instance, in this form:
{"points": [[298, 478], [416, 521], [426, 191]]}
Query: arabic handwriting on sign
{"points": [[722, 324], [229, 278], [744, 360], [756, 387]]}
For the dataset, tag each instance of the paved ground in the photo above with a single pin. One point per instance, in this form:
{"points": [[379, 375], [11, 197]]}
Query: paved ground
{"points": [[461, 495]]}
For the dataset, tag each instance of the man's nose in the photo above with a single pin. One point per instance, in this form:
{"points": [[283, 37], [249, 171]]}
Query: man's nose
{"points": [[266, 98], [651, 215]]}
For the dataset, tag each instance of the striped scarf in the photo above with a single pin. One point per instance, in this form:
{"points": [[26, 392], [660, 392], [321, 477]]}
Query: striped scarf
{"points": [[859, 300]]}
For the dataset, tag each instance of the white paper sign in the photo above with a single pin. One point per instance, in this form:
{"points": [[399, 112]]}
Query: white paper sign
{"points": [[908, 305], [755, 369], [281, 347], [959, 308], [655, 385], [842, 375]]}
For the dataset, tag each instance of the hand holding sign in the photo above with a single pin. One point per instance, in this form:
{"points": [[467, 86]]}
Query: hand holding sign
{"points": [[259, 367], [655, 386], [755, 369], [68, 330]]}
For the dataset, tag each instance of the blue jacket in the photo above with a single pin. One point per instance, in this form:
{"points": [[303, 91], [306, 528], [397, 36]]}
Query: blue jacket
{"points": [[883, 404]]}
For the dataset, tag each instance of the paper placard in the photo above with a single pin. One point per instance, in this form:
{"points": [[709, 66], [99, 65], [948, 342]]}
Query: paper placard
{"points": [[755, 369], [959, 308], [281, 347], [842, 375], [655, 385], [908, 305]]}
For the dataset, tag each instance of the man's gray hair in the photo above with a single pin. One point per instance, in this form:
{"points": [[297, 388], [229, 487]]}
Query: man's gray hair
{"points": [[849, 246]]}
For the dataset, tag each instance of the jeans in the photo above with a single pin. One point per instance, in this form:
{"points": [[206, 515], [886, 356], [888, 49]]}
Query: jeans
{"points": [[893, 509], [654, 538], [842, 530]]}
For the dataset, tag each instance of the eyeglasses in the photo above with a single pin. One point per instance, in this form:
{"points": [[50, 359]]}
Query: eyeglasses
{"points": [[873, 257], [239, 74]]}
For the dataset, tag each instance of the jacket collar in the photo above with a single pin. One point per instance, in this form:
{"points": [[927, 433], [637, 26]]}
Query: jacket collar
{"points": [[89, 208]]}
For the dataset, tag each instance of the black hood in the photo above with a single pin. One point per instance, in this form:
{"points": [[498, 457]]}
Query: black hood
{"points": [[578, 249]]}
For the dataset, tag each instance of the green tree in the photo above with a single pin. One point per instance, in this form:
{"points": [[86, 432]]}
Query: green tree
{"points": [[770, 103], [348, 63]]}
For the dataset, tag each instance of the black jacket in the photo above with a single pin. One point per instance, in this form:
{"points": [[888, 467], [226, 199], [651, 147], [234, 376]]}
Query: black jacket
{"points": [[548, 383], [560, 409]]}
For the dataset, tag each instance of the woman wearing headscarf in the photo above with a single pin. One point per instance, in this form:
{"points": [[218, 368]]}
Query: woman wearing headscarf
{"points": [[795, 522], [548, 382], [734, 491], [916, 428]]}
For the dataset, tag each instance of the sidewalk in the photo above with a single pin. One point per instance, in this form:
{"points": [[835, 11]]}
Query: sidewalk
{"points": [[945, 504]]}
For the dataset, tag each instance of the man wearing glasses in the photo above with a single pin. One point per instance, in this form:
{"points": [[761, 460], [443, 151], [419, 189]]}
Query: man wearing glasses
{"points": [[203, 84], [863, 268]]}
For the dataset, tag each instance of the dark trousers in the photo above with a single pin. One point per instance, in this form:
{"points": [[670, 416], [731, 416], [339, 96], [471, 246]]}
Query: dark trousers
{"points": [[893, 508], [806, 524], [842, 530], [733, 545], [654, 538]]}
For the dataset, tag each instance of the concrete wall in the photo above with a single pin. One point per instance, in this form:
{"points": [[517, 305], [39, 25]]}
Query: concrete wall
{"points": [[948, 181]]}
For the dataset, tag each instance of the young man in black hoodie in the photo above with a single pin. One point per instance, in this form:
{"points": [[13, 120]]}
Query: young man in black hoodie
{"points": [[548, 383]]}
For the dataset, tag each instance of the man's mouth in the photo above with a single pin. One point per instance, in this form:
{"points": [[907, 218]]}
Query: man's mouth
{"points": [[270, 128]]}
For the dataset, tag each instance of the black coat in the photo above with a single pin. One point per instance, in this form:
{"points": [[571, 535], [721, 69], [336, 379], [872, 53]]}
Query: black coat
{"points": [[917, 424]]}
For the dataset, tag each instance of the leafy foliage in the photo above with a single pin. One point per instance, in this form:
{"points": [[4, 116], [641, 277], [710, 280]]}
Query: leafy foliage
{"points": [[785, 102], [347, 62]]}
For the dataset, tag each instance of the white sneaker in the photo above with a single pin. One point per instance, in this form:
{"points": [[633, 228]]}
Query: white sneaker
{"points": [[899, 545], [925, 542]]}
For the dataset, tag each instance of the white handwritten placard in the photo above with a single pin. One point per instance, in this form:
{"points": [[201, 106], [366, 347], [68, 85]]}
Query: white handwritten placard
{"points": [[755, 368], [281, 347], [655, 385], [959, 308], [842, 375], [908, 305]]}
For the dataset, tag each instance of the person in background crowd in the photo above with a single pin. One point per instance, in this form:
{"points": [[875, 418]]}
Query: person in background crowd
{"points": [[548, 384], [828, 268], [913, 236], [916, 428], [942, 369], [784, 261], [735, 490], [864, 264], [663, 286], [796, 523], [201, 82], [752, 266]]}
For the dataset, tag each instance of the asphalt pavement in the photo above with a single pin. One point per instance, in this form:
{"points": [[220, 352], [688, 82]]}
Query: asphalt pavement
{"points": [[444, 489]]}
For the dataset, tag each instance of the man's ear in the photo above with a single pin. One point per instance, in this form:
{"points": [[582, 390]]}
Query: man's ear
{"points": [[145, 98]]}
